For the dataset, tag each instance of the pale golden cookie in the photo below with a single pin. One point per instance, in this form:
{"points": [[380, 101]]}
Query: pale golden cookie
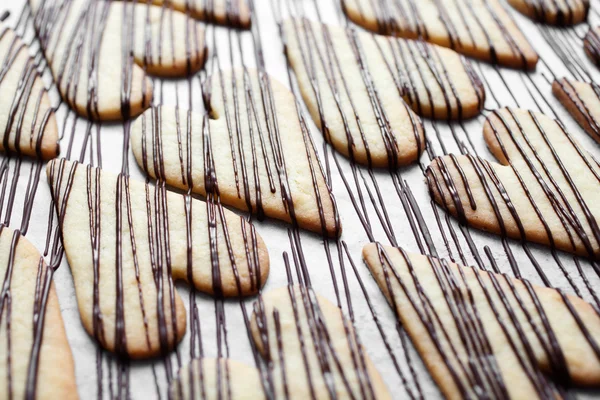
{"points": [[481, 29], [358, 85], [251, 162], [582, 101], [545, 191], [555, 12], [212, 379], [286, 317], [480, 332], [591, 45], [38, 364], [125, 239], [226, 12], [27, 120], [85, 43]]}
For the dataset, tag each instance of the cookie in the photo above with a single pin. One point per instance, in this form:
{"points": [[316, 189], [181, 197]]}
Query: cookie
{"points": [[100, 51], [226, 12], [582, 101], [212, 379], [27, 119], [591, 45], [284, 326], [253, 164], [480, 332], [369, 128], [34, 342], [480, 29], [544, 190], [554, 12], [358, 85], [127, 241]]}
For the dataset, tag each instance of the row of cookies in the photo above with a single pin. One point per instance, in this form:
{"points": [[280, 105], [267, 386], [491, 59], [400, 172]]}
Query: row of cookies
{"points": [[152, 116]]}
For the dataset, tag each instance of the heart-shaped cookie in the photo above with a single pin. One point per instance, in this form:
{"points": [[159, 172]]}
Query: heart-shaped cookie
{"points": [[313, 349], [127, 241], [555, 12], [480, 332], [544, 190], [100, 51], [481, 29], [254, 148], [360, 88]]}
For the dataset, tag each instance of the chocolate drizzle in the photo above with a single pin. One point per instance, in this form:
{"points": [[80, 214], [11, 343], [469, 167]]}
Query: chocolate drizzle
{"points": [[447, 278], [368, 193], [81, 56], [563, 13], [462, 23], [26, 96], [570, 94], [591, 45], [504, 121]]}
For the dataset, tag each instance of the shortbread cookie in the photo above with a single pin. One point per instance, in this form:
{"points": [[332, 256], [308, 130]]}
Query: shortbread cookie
{"points": [[355, 83], [484, 333], [226, 12], [555, 12], [582, 101], [253, 164], [99, 52], [591, 45], [213, 379], [436, 82], [302, 333], [124, 240], [544, 190], [27, 120], [351, 92], [35, 357], [481, 29]]}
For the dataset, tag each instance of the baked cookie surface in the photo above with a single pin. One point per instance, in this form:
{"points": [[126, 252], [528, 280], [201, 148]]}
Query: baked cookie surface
{"points": [[127, 241], [555, 12], [543, 190], [482, 332], [27, 119], [591, 45], [234, 13], [100, 52], [481, 29], [254, 156], [212, 379], [35, 356], [582, 100]]}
